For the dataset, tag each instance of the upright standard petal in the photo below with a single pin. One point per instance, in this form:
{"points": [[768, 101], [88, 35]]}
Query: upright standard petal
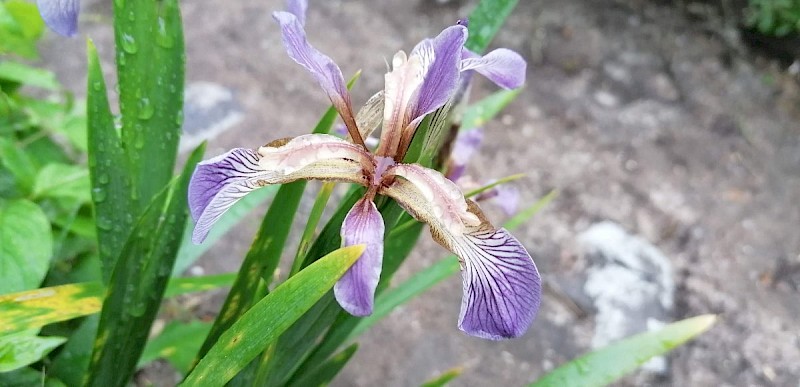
{"points": [[218, 183], [441, 58], [60, 15], [355, 291], [324, 70], [502, 66], [502, 287], [401, 89]]}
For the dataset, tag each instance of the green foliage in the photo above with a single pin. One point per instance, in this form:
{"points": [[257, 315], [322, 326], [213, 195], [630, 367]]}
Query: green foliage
{"points": [[20, 28], [607, 364], [20, 349], [270, 317], [774, 17], [26, 244], [178, 343]]}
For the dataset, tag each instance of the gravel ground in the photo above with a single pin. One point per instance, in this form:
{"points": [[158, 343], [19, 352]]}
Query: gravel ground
{"points": [[636, 114]]}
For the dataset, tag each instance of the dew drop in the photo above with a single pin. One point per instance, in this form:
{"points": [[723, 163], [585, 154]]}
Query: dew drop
{"points": [[97, 86], [163, 38], [146, 109], [138, 142], [98, 195], [129, 44], [103, 178], [179, 118]]}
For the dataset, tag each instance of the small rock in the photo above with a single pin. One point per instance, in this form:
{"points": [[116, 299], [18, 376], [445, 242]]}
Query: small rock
{"points": [[630, 283], [209, 109]]}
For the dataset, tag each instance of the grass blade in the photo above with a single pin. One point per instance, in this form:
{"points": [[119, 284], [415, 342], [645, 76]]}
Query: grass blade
{"points": [[269, 318], [608, 364], [481, 112], [326, 372], [311, 226], [485, 20], [444, 378]]}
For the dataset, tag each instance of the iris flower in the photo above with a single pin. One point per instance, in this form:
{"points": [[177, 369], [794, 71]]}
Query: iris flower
{"points": [[500, 281], [60, 15]]}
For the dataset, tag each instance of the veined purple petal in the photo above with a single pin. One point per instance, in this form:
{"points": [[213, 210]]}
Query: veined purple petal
{"points": [[502, 287], [355, 291], [502, 66], [467, 143], [60, 15], [218, 183], [298, 8], [324, 70], [441, 77]]}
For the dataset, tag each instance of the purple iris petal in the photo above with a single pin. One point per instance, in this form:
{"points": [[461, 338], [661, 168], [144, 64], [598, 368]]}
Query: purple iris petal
{"points": [[60, 15], [298, 8], [442, 73], [467, 143], [355, 291], [502, 66], [217, 184], [502, 287], [324, 70]]}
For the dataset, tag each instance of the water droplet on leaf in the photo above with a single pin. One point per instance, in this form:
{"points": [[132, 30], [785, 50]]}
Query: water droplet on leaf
{"points": [[146, 109], [129, 44]]}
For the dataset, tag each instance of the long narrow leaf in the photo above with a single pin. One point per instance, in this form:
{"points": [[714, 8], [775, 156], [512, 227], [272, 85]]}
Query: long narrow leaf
{"points": [[108, 170], [311, 226], [150, 69], [479, 113], [607, 364], [485, 20], [36, 308], [326, 372], [269, 318], [138, 283]]}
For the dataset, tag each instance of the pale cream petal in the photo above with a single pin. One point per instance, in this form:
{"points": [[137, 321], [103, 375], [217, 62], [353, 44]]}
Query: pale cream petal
{"points": [[287, 157], [400, 92], [431, 197], [371, 115]]}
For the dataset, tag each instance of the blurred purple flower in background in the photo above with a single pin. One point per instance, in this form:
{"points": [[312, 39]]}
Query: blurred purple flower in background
{"points": [[465, 147], [60, 15], [501, 284]]}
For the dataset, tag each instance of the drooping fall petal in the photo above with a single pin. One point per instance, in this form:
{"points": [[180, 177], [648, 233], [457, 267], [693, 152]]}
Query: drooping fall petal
{"points": [[322, 67], [60, 15], [355, 291], [502, 287], [218, 183], [502, 66]]}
